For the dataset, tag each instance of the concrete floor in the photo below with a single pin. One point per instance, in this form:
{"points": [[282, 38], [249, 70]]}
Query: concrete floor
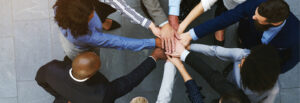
{"points": [[29, 39]]}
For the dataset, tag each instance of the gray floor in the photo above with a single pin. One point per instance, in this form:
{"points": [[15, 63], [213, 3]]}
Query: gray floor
{"points": [[28, 39]]}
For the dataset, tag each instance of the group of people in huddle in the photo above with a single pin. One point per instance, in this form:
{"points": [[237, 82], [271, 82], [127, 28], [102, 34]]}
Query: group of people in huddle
{"points": [[268, 45]]}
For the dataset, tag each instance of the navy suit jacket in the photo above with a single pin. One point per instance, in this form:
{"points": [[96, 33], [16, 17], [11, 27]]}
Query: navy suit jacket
{"points": [[286, 41]]}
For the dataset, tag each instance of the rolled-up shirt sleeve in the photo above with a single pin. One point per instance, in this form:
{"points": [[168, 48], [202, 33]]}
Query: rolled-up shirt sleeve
{"points": [[127, 11], [121, 43], [174, 7]]}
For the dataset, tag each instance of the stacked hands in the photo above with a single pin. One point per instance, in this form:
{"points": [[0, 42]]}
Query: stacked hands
{"points": [[174, 43]]}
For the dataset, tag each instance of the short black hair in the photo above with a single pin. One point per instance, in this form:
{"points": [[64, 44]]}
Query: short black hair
{"points": [[274, 10], [73, 15], [261, 68], [235, 96]]}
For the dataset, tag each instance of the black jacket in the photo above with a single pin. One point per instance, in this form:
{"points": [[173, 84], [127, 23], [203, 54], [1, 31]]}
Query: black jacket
{"points": [[54, 78]]}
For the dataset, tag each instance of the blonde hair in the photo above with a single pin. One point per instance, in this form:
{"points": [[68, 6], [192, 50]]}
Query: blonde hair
{"points": [[139, 100]]}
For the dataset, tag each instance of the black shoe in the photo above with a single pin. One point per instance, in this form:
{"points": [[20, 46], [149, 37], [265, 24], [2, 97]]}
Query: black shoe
{"points": [[114, 25]]}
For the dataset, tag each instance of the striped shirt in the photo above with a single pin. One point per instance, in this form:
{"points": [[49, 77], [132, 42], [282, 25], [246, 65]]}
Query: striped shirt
{"points": [[127, 11]]}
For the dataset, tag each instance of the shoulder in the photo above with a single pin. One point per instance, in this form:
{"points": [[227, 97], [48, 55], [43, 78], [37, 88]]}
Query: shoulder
{"points": [[54, 66]]}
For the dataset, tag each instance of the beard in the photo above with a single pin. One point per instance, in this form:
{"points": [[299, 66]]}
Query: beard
{"points": [[261, 27]]}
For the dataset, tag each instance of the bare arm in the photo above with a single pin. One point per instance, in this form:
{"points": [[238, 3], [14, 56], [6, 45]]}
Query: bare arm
{"points": [[202, 7], [197, 11]]}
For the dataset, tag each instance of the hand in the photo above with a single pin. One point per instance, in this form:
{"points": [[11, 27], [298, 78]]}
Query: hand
{"points": [[69, 101], [178, 50], [155, 30], [168, 35], [175, 61], [158, 43], [181, 28], [158, 54], [185, 39], [174, 21]]}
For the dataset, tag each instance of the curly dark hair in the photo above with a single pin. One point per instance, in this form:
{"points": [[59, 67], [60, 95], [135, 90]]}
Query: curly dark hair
{"points": [[274, 10], [261, 68], [73, 15]]}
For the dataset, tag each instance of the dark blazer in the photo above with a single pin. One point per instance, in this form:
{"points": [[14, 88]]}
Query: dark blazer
{"points": [[214, 78], [286, 41], [54, 78]]}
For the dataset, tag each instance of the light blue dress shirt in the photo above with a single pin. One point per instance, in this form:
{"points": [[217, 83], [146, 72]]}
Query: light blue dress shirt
{"points": [[235, 55], [174, 7], [96, 38], [271, 33]]}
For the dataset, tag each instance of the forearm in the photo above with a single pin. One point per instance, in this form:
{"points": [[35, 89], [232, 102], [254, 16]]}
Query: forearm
{"points": [[226, 19], [197, 11], [166, 88], [122, 43], [226, 54], [185, 75], [125, 84], [125, 9], [174, 7]]}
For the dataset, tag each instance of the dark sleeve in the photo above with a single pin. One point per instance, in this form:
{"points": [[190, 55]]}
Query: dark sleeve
{"points": [[41, 79], [125, 84], [215, 79], [294, 59], [227, 18], [193, 92]]}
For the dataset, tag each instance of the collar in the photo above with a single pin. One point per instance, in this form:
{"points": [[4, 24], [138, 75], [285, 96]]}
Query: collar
{"points": [[278, 27], [77, 80]]}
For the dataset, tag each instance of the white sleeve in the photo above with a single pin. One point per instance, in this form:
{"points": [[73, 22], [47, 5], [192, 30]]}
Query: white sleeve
{"points": [[166, 88], [207, 4], [174, 7], [225, 54], [129, 12]]}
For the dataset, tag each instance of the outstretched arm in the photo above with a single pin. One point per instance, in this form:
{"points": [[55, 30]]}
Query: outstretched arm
{"points": [[226, 54], [129, 12], [192, 88], [167, 84], [125, 84], [202, 7], [122, 43]]}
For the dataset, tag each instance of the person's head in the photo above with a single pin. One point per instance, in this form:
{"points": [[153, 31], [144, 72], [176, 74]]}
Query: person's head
{"points": [[236, 96], [139, 100], [270, 13], [261, 68], [85, 65], [74, 15]]}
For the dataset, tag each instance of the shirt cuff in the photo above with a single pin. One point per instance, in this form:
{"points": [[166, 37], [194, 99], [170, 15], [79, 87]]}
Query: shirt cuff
{"points": [[162, 24], [174, 10], [153, 58], [184, 54], [193, 34]]}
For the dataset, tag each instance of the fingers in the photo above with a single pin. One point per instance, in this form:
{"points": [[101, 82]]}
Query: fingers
{"points": [[163, 43], [173, 44], [169, 45], [177, 36]]}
